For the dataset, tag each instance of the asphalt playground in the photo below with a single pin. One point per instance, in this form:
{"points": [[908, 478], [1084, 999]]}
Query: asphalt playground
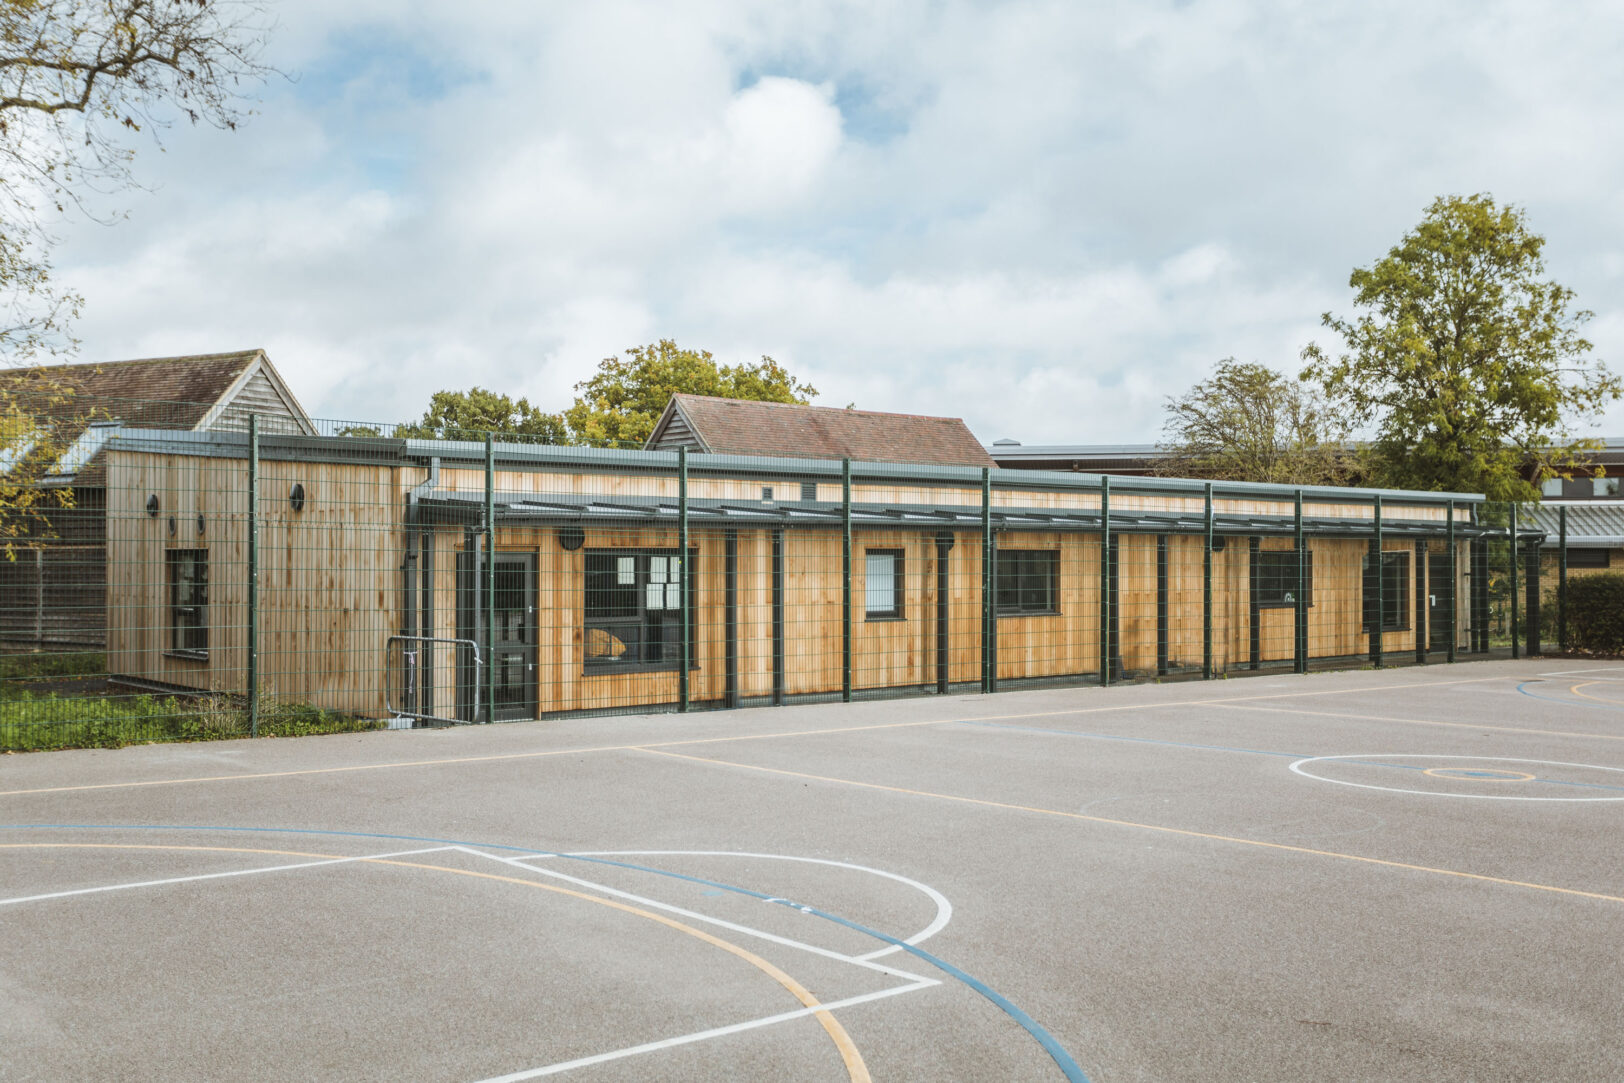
{"points": [[1409, 874]]}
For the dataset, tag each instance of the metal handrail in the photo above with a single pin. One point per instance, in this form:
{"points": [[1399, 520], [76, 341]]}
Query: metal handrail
{"points": [[411, 669]]}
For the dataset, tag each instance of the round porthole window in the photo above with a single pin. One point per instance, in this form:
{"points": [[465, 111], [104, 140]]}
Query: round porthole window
{"points": [[571, 538], [200, 524], [296, 497], [171, 526], [152, 505]]}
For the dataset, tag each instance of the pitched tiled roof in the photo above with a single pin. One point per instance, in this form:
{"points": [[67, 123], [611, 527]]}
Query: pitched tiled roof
{"points": [[744, 427], [153, 393]]}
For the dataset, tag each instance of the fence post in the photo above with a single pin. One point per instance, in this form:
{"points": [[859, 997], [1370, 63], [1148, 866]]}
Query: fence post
{"points": [[1562, 578], [1454, 578], [1105, 580], [253, 575], [1531, 622], [1422, 622], [687, 578], [989, 617], [845, 580], [1378, 563], [490, 577], [1511, 535], [1299, 619], [1206, 589]]}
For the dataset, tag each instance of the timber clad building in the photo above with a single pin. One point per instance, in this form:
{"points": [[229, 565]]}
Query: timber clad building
{"points": [[53, 594], [471, 582]]}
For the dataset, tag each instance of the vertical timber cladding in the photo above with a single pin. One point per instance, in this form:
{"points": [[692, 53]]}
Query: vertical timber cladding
{"points": [[329, 574]]}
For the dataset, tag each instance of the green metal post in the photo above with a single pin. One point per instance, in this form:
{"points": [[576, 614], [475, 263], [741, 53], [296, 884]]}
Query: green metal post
{"points": [[1562, 578], [988, 613], [1378, 560], [1454, 579], [253, 575], [1511, 533], [1206, 589], [845, 580], [686, 577], [1299, 620], [1105, 580], [490, 577]]}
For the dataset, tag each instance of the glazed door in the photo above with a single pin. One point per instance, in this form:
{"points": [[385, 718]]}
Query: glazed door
{"points": [[512, 655]]}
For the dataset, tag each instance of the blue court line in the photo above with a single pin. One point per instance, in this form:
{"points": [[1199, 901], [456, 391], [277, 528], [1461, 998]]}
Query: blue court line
{"points": [[1523, 688], [1253, 751], [1062, 1059]]}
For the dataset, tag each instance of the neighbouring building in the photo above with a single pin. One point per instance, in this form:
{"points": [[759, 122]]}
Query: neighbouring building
{"points": [[54, 592]]}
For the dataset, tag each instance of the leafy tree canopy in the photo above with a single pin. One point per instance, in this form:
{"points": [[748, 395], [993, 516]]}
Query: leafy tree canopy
{"points": [[468, 415], [1468, 362], [619, 405], [80, 78], [1247, 422]]}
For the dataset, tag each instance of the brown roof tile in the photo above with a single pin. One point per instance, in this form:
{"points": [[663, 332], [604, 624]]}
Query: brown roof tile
{"points": [[744, 427]]}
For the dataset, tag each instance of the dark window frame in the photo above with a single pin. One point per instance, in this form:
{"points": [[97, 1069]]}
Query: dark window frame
{"points": [[636, 616], [1273, 585], [1027, 583], [1396, 587], [188, 603], [898, 609], [1589, 558]]}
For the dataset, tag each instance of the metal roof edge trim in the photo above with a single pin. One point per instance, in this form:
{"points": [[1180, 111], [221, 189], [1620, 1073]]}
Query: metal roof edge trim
{"points": [[414, 450]]}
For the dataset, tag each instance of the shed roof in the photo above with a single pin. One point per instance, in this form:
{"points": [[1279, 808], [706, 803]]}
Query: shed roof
{"points": [[1592, 524], [746, 427]]}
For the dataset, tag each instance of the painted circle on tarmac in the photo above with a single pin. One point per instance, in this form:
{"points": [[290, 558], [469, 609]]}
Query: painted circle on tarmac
{"points": [[1607, 786]]}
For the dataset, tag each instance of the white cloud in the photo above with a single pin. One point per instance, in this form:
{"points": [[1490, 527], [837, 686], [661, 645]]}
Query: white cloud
{"points": [[1041, 216]]}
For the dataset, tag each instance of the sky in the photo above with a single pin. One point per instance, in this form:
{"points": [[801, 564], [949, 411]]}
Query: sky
{"points": [[1042, 217]]}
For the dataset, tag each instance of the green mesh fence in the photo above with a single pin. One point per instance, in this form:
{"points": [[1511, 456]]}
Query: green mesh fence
{"points": [[269, 576]]}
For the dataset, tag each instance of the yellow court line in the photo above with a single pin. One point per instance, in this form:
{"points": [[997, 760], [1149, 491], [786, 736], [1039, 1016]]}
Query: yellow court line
{"points": [[1598, 699], [1435, 722], [1187, 833], [499, 757], [849, 1054]]}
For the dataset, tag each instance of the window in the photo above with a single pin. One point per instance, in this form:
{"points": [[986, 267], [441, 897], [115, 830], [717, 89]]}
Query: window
{"points": [[1277, 578], [1604, 486], [1026, 581], [1395, 590], [1588, 558], [189, 602], [882, 584], [633, 609], [1551, 487]]}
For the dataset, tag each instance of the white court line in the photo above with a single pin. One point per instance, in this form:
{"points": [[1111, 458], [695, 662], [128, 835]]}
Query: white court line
{"points": [[1466, 762], [944, 909], [760, 934], [216, 875], [699, 1036]]}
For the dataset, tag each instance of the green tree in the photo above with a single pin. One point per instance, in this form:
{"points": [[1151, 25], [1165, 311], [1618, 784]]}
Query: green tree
{"points": [[1468, 365], [469, 415], [78, 79], [1247, 422], [619, 405]]}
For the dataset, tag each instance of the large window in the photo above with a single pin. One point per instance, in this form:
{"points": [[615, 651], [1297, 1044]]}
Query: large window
{"points": [[1395, 592], [189, 602], [1027, 581], [882, 584], [633, 608], [1587, 558], [1277, 578]]}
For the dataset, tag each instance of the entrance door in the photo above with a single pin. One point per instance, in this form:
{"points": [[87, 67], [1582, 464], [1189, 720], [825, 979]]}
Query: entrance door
{"points": [[512, 656], [1438, 597]]}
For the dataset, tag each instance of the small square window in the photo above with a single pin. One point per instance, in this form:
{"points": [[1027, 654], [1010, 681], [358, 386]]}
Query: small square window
{"points": [[882, 584], [1026, 582], [1276, 582], [1551, 487], [1604, 486]]}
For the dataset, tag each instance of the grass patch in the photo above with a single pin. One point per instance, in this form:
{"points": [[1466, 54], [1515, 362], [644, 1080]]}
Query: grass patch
{"points": [[37, 665], [34, 723]]}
